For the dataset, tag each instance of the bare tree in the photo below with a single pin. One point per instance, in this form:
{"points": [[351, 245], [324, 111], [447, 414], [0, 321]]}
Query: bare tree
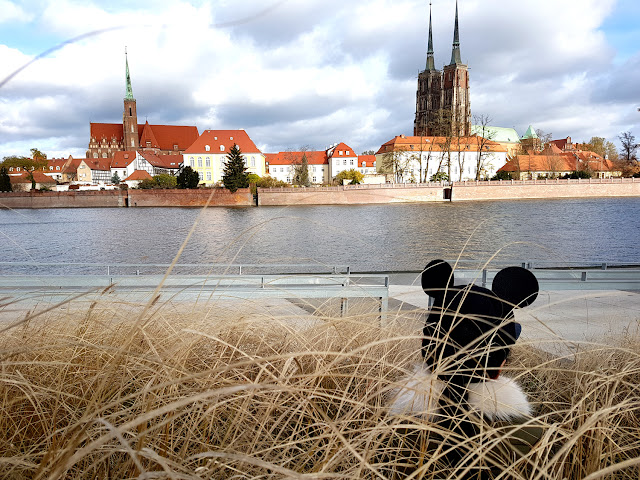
{"points": [[396, 163], [554, 164], [544, 137], [629, 147], [485, 136]]}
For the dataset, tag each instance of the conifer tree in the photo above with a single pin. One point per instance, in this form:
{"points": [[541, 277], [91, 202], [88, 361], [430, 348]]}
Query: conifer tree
{"points": [[5, 180], [301, 172], [235, 173]]}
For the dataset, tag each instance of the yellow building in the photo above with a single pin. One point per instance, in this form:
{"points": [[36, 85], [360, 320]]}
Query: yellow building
{"points": [[208, 154]]}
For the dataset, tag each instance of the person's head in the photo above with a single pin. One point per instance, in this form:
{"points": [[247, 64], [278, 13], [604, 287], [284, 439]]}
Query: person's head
{"points": [[470, 329]]}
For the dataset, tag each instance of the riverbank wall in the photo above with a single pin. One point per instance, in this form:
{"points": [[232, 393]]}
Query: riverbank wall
{"points": [[457, 191], [343, 195], [127, 198]]}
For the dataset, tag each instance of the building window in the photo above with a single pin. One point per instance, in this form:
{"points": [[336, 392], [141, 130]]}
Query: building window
{"points": [[104, 154], [281, 169], [132, 142], [253, 161], [132, 123], [351, 162], [148, 143], [50, 168], [95, 155], [192, 162], [207, 162], [230, 138], [200, 175], [344, 162], [199, 161], [208, 175], [207, 148]]}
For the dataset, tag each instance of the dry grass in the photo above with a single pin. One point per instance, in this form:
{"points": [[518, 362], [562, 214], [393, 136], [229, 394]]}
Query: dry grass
{"points": [[182, 394]]}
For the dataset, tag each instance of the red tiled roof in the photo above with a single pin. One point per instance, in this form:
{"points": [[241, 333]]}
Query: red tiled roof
{"points": [[341, 150], [369, 159], [161, 136], [227, 138], [169, 135], [148, 136], [139, 175], [437, 144], [38, 176], [163, 161], [98, 164], [288, 158], [106, 130], [122, 159], [539, 163]]}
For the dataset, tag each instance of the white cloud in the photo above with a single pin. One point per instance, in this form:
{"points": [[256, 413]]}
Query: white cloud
{"points": [[10, 12], [310, 71]]}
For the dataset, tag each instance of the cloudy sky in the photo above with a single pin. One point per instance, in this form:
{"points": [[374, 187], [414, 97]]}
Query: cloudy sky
{"points": [[310, 72]]}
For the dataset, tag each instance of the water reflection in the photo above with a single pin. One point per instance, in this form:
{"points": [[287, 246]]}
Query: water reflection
{"points": [[371, 237]]}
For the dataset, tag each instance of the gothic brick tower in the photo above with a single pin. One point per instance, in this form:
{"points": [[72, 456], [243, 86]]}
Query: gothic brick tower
{"points": [[129, 115], [442, 99]]}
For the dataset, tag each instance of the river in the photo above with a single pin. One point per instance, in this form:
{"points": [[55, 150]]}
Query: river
{"points": [[391, 237]]}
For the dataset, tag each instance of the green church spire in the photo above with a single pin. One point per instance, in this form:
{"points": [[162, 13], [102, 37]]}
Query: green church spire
{"points": [[129, 94], [430, 62], [455, 52]]}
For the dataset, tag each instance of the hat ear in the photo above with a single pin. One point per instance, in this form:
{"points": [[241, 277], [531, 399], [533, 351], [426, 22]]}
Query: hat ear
{"points": [[436, 277], [517, 286]]}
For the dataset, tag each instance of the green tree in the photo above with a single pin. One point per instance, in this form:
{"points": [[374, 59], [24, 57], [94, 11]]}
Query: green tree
{"points": [[164, 180], [147, 184], [115, 178], [502, 175], [235, 172], [187, 178], [269, 182], [29, 165], [353, 175], [5, 180], [439, 177], [301, 172]]}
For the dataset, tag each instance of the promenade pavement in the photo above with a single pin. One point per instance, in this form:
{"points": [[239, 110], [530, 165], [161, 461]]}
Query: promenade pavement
{"points": [[558, 321]]}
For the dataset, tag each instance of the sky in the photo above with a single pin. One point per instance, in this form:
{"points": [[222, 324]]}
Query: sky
{"points": [[310, 73]]}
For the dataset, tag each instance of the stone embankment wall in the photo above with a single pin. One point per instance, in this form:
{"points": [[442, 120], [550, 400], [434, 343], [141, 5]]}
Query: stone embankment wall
{"points": [[460, 191], [124, 198], [351, 194], [190, 198], [532, 189], [70, 199]]}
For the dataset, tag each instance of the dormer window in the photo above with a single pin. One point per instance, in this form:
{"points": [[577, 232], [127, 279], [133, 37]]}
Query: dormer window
{"points": [[50, 168], [364, 164], [222, 148], [230, 138], [148, 143], [57, 168], [347, 152], [207, 148], [175, 146], [126, 155], [340, 152], [215, 138]]}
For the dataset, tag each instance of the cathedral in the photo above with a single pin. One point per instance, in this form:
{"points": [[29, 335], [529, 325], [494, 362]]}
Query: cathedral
{"points": [[442, 99], [107, 138]]}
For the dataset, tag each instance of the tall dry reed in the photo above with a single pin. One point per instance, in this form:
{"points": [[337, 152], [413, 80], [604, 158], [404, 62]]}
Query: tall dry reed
{"points": [[207, 393]]}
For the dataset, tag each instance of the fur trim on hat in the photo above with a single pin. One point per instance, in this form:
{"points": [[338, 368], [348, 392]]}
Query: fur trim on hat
{"points": [[495, 400]]}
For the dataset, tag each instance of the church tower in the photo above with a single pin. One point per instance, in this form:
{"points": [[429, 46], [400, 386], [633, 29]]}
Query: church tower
{"points": [[428, 96], [443, 96], [129, 115], [455, 91]]}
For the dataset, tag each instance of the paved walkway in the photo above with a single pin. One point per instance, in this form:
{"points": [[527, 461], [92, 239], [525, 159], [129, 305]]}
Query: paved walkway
{"points": [[556, 317], [564, 316]]}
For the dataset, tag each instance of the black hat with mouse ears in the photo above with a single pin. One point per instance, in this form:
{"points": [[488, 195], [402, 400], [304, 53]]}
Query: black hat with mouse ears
{"points": [[470, 329]]}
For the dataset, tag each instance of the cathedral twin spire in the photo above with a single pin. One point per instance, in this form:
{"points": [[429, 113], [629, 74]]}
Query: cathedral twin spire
{"points": [[456, 59]]}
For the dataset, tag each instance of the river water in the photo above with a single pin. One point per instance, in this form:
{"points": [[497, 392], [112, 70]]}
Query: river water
{"points": [[366, 237]]}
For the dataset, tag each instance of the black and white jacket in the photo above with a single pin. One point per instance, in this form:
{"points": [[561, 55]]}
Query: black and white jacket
{"points": [[500, 400]]}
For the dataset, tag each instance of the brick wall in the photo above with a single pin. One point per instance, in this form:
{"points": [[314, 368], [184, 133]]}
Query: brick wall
{"points": [[71, 199], [190, 198], [350, 195]]}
